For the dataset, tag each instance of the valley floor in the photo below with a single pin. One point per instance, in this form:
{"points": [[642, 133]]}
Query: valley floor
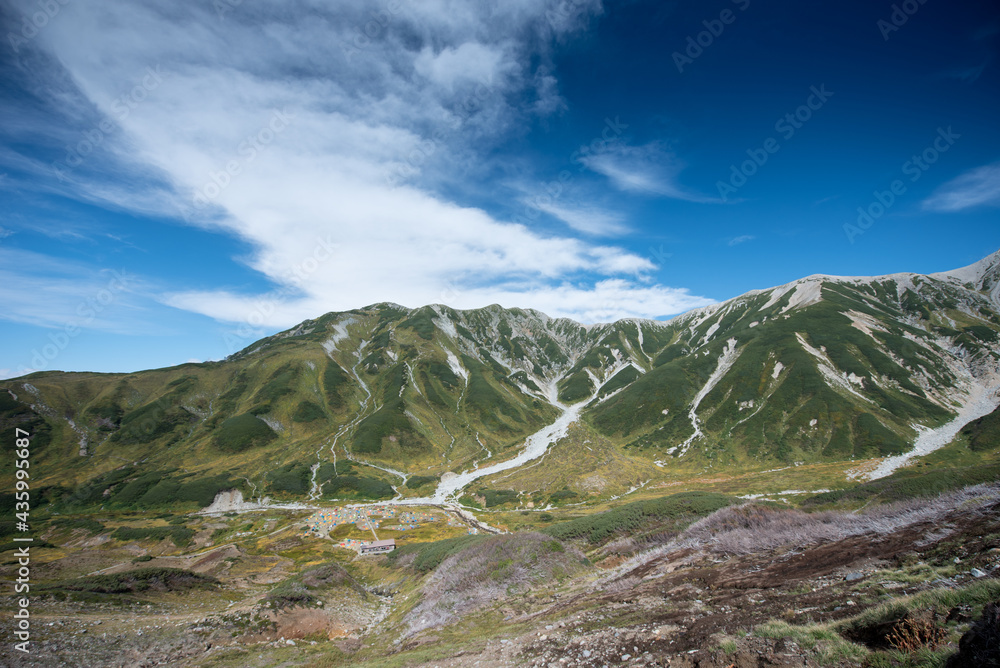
{"points": [[748, 586]]}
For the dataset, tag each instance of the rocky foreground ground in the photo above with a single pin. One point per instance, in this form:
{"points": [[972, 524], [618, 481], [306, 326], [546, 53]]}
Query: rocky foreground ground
{"points": [[712, 597]]}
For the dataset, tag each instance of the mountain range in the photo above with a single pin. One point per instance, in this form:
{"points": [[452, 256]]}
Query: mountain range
{"points": [[386, 401]]}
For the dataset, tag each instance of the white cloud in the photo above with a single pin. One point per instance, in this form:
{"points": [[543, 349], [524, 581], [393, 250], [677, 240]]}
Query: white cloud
{"points": [[470, 62], [54, 293], [339, 196], [650, 169], [977, 187], [590, 220], [608, 300], [743, 238]]}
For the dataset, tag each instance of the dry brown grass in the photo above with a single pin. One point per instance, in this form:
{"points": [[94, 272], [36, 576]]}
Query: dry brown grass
{"points": [[490, 570], [753, 528]]}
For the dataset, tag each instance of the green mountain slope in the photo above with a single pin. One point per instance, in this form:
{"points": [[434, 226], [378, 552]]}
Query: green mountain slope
{"points": [[822, 369]]}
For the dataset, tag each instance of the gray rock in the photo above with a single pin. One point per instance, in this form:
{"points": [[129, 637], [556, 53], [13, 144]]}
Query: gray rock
{"points": [[854, 575], [976, 573]]}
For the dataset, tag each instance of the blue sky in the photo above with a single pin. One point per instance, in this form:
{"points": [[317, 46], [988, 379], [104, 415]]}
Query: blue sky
{"points": [[179, 178]]}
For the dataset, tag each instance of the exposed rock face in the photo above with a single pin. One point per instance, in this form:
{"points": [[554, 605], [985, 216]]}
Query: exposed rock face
{"points": [[230, 501], [980, 646]]}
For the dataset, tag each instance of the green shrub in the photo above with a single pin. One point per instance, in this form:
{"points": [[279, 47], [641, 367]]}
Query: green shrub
{"points": [[204, 490], [243, 432], [350, 485], [635, 516], [92, 491], [278, 385], [181, 536], [138, 580], [430, 555], [133, 490], [576, 387], [421, 322], [984, 433], [334, 377], [498, 497], [169, 490], [107, 409], [562, 495], [90, 525], [908, 484], [389, 420], [292, 478], [298, 591], [7, 403], [152, 421], [308, 411], [416, 481]]}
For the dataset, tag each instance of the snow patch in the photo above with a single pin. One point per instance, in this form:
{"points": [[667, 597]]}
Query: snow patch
{"points": [[275, 425], [826, 368], [339, 334], [445, 324], [456, 366], [806, 293], [777, 370], [726, 361], [708, 334], [865, 323]]}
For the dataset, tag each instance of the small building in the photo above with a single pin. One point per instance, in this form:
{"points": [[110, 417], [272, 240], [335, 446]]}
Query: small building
{"points": [[378, 546]]}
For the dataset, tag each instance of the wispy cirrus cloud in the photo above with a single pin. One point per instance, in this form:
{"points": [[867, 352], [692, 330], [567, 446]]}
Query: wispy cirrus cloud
{"points": [[422, 100], [977, 187], [650, 169], [75, 295], [590, 220], [741, 239]]}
